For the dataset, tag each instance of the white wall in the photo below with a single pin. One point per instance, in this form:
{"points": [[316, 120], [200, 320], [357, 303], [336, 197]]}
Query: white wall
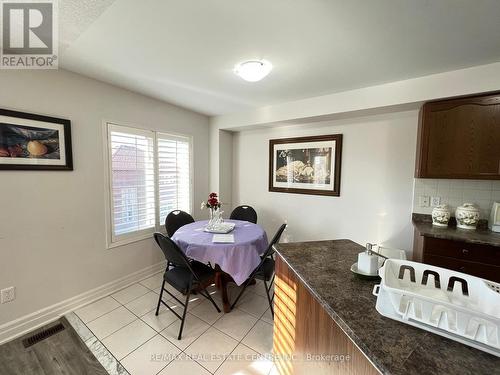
{"points": [[52, 224], [221, 165], [225, 167], [375, 201]]}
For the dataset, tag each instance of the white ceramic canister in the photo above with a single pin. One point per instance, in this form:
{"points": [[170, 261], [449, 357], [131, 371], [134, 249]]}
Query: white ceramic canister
{"points": [[467, 216], [441, 215]]}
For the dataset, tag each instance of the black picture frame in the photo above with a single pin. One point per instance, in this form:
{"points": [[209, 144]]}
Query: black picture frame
{"points": [[63, 124], [333, 158]]}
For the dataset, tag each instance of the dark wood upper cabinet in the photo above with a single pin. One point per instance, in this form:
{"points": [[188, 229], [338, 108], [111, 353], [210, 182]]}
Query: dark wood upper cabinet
{"points": [[460, 138]]}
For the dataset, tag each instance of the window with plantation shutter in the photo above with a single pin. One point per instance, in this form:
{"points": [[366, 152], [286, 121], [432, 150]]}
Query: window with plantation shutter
{"points": [[149, 176], [174, 178]]}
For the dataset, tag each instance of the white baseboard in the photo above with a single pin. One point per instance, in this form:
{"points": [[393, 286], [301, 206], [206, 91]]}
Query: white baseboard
{"points": [[27, 323]]}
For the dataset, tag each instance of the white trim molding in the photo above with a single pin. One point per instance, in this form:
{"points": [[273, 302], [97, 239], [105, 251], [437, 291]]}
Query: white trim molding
{"points": [[27, 323]]}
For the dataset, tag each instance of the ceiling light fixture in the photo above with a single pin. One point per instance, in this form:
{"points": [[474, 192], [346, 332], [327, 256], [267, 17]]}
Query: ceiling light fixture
{"points": [[254, 70]]}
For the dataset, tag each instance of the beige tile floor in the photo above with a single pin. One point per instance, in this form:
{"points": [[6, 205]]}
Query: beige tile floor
{"points": [[212, 343]]}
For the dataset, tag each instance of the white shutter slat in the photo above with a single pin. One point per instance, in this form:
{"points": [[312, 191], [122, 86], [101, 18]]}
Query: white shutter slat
{"points": [[132, 168], [174, 174], [147, 180]]}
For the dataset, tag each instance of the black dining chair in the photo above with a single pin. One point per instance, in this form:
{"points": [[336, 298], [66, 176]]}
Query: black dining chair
{"points": [[265, 270], [185, 275], [245, 213], [176, 219]]}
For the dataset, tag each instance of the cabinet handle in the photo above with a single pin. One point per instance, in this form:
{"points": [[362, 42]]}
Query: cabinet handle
{"points": [[465, 251]]}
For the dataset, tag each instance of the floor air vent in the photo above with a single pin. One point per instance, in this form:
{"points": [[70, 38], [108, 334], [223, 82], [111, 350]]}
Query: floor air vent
{"points": [[40, 336]]}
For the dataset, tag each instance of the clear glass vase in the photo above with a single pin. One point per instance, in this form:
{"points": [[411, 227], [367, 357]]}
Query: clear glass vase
{"points": [[215, 218], [211, 218]]}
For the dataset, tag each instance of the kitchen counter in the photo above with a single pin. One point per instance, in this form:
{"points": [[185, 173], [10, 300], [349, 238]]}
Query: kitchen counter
{"points": [[392, 347], [482, 236]]}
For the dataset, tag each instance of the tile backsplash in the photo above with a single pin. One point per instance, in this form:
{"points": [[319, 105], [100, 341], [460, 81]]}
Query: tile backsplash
{"points": [[456, 192]]}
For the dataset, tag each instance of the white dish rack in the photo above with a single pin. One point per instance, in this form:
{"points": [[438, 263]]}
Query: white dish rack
{"points": [[461, 307]]}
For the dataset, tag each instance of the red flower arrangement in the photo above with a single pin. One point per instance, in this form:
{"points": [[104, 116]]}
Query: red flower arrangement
{"points": [[212, 202]]}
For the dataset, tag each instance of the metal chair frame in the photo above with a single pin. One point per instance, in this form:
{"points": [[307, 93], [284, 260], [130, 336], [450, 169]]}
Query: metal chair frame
{"points": [[201, 288]]}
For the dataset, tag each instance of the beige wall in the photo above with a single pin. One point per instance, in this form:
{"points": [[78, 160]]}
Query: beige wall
{"points": [[375, 202], [52, 224]]}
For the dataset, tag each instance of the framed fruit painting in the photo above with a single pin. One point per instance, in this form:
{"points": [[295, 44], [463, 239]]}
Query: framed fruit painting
{"points": [[34, 142]]}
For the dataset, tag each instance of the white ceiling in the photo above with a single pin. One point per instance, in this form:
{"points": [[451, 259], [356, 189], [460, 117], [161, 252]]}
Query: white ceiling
{"points": [[184, 51], [76, 16]]}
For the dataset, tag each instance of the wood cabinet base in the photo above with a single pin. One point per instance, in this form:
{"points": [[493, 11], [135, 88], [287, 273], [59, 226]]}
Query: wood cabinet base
{"points": [[306, 339], [473, 259]]}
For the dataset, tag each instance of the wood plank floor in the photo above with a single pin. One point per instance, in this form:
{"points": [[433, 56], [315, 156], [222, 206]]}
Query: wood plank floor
{"points": [[62, 353]]}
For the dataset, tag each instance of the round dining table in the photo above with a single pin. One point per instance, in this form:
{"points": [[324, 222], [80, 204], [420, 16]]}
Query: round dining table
{"points": [[235, 261]]}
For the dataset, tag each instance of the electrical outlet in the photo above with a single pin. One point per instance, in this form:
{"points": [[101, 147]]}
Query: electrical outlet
{"points": [[8, 295], [423, 201], [435, 201]]}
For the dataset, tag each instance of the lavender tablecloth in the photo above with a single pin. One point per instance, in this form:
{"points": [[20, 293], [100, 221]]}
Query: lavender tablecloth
{"points": [[238, 259]]}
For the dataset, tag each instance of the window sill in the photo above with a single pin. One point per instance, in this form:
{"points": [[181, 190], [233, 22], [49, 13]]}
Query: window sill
{"points": [[126, 241]]}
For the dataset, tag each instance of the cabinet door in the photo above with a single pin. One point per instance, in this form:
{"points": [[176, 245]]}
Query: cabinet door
{"points": [[460, 138]]}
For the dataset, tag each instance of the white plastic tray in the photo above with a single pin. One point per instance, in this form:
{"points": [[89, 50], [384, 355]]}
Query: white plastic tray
{"points": [[451, 304]]}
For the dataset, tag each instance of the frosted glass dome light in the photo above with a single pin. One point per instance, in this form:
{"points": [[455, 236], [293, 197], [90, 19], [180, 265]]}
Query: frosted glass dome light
{"points": [[253, 71]]}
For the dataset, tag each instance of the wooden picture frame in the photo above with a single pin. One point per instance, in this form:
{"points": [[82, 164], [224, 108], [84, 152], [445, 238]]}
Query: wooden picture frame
{"points": [[306, 165], [34, 142]]}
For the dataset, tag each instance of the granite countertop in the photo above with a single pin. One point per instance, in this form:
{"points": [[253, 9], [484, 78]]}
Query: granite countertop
{"points": [[482, 235], [393, 347]]}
